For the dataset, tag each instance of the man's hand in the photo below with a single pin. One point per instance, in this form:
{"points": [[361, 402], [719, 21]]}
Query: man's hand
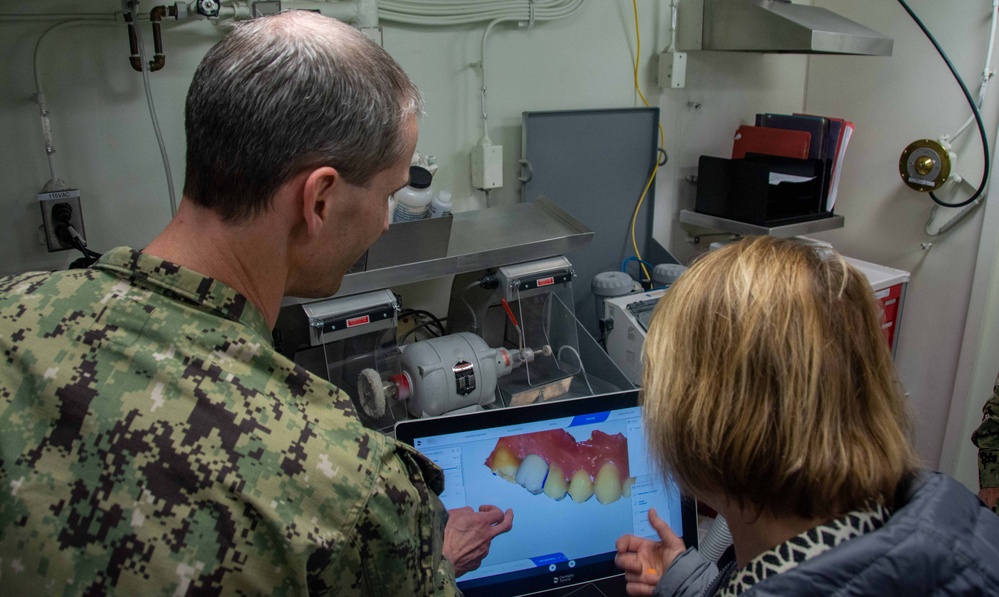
{"points": [[468, 534], [989, 495], [644, 561]]}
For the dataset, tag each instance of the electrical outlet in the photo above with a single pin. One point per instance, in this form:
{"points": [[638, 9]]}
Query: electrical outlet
{"points": [[58, 209]]}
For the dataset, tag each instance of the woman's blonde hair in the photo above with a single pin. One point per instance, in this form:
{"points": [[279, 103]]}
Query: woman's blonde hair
{"points": [[767, 379]]}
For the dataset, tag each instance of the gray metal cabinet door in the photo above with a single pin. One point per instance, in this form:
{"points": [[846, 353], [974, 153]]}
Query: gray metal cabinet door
{"points": [[594, 164]]}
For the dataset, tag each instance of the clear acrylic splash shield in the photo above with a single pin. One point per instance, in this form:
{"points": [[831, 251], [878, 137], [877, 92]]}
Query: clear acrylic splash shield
{"points": [[546, 318]]}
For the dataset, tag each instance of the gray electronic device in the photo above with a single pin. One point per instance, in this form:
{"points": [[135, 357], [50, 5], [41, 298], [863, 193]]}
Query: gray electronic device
{"points": [[630, 315]]}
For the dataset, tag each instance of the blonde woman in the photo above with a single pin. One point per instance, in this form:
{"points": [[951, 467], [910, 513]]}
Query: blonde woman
{"points": [[770, 395]]}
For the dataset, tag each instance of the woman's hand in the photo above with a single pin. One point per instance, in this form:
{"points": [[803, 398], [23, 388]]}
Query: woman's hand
{"points": [[643, 560]]}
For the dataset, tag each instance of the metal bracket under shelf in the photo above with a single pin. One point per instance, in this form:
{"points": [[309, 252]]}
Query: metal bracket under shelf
{"points": [[743, 229]]}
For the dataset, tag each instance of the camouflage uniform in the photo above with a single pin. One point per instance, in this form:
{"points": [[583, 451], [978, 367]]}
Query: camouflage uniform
{"points": [[986, 437], [152, 442]]}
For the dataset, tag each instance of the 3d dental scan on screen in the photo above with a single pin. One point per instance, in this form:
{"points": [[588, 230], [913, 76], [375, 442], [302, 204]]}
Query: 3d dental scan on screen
{"points": [[577, 475]]}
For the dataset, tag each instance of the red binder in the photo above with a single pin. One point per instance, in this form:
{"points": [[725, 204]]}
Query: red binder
{"points": [[771, 141]]}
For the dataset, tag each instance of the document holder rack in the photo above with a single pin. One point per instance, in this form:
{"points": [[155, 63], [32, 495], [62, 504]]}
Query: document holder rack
{"points": [[755, 189]]}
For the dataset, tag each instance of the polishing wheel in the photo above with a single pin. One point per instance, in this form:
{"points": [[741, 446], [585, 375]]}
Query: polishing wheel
{"points": [[371, 392]]}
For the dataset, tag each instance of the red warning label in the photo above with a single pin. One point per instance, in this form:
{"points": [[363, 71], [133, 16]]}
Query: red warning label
{"points": [[356, 321]]}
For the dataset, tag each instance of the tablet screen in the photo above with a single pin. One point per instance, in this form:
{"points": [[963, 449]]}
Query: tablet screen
{"points": [[577, 475]]}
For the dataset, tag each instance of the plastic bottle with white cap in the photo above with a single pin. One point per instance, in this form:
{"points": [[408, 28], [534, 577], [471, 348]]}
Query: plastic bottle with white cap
{"points": [[441, 205], [413, 200], [664, 274], [610, 284]]}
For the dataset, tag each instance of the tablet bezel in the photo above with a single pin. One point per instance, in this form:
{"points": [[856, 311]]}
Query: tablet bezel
{"points": [[408, 431]]}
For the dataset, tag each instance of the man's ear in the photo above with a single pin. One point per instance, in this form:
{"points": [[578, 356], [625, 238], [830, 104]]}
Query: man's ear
{"points": [[319, 192]]}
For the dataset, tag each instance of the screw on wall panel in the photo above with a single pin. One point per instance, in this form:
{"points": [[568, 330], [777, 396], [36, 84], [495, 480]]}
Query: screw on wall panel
{"points": [[694, 105]]}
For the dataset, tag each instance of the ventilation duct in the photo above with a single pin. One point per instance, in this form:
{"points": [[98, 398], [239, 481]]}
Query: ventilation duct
{"points": [[777, 26]]}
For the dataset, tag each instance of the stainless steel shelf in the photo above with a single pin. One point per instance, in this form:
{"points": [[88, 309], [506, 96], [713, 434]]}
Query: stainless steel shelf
{"points": [[724, 225], [482, 239]]}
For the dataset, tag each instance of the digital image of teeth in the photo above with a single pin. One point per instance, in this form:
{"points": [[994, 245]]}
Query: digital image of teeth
{"points": [[553, 462]]}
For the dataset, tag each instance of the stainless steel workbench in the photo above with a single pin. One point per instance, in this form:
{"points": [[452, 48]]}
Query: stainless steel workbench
{"points": [[481, 239]]}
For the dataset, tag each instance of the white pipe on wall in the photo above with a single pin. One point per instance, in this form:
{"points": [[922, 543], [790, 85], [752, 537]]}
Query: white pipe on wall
{"points": [[65, 16], [363, 14]]}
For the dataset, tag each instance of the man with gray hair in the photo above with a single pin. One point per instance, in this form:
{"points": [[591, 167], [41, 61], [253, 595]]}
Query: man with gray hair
{"points": [[152, 440]]}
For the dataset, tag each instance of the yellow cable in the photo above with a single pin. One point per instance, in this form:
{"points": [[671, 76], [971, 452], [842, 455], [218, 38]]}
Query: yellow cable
{"points": [[662, 141]]}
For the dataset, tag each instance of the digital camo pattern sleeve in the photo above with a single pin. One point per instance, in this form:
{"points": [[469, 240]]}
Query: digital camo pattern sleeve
{"points": [[153, 443], [397, 545], [986, 437]]}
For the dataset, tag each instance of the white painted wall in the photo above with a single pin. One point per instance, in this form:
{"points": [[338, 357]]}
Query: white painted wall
{"points": [[724, 90], [894, 101], [101, 127], [106, 145], [577, 63]]}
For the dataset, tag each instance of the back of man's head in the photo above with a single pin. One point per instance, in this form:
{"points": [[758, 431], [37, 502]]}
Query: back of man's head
{"points": [[283, 94]]}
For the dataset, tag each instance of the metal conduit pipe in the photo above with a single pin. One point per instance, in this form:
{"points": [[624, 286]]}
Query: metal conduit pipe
{"points": [[159, 58], [156, 16], [133, 45]]}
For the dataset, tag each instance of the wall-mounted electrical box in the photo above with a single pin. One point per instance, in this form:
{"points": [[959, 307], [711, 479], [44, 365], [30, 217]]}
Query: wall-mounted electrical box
{"points": [[672, 70], [487, 166]]}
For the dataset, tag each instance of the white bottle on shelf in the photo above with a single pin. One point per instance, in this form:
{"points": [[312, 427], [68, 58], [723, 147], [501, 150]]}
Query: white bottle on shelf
{"points": [[413, 200], [440, 205], [391, 208]]}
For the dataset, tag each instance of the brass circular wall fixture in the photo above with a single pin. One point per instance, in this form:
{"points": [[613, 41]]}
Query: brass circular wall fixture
{"points": [[925, 165]]}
